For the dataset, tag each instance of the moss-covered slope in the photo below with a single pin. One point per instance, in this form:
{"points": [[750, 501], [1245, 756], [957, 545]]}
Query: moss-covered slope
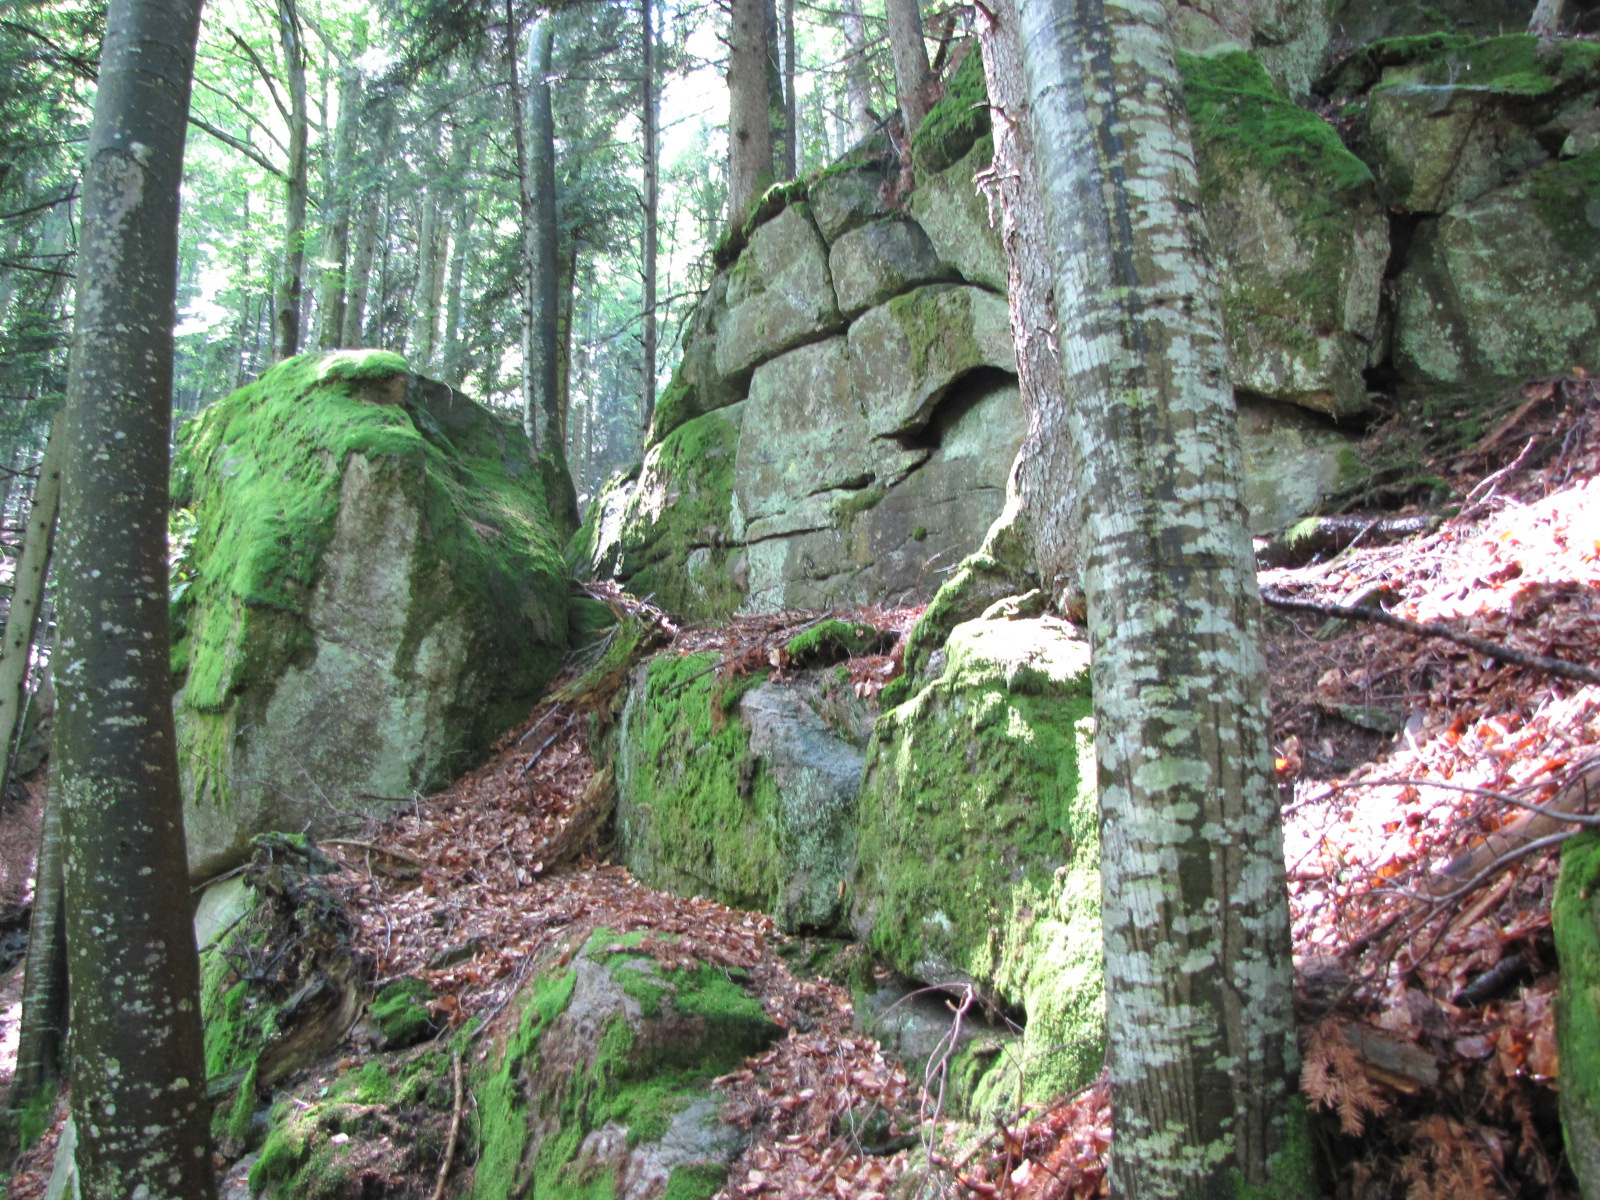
{"points": [[368, 588]]}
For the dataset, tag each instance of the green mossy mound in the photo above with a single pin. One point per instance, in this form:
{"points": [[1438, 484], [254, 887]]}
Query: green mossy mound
{"points": [[979, 845], [1575, 915], [606, 1064], [400, 1011], [342, 508], [959, 119], [1516, 64]]}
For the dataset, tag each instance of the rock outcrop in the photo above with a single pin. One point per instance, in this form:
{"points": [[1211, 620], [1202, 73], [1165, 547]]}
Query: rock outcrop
{"points": [[368, 590]]}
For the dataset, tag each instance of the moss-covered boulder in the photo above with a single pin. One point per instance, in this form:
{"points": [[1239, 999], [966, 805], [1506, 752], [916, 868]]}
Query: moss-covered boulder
{"points": [[1294, 217], [1502, 289], [779, 295], [598, 1079], [978, 852], [959, 219], [1575, 915], [369, 590], [740, 790], [880, 260]]}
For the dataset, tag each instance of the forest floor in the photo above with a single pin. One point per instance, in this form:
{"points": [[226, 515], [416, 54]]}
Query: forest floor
{"points": [[1425, 967]]}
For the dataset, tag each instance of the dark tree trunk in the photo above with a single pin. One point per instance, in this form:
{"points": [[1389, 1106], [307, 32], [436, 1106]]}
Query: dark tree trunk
{"points": [[44, 986], [138, 1074], [294, 230], [791, 111], [749, 119], [336, 215], [1201, 1041]]}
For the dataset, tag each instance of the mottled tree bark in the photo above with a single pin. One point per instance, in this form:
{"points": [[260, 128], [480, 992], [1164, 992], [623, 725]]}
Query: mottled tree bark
{"points": [[541, 414], [913, 76], [1043, 496], [652, 208], [292, 285], [857, 84], [749, 120], [22, 617], [138, 1076], [1201, 1049]]}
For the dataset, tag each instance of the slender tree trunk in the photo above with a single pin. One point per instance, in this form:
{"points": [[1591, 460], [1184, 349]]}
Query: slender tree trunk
{"points": [[652, 208], [246, 307], [22, 618], [138, 1074], [44, 987], [856, 80], [913, 77], [425, 298], [1201, 1046], [776, 107], [1043, 497], [749, 121], [1546, 21], [336, 212], [466, 214], [294, 229], [541, 416], [791, 110]]}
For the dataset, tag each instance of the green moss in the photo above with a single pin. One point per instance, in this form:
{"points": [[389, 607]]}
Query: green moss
{"points": [[400, 1011], [1292, 1168], [684, 507], [264, 468], [677, 404], [584, 548], [698, 1182], [959, 119], [1566, 195], [35, 1117], [698, 821], [1575, 917], [978, 847], [832, 640]]}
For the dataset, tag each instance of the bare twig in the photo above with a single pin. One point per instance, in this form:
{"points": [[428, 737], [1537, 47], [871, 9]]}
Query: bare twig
{"points": [[546, 744], [455, 1129], [1494, 650]]}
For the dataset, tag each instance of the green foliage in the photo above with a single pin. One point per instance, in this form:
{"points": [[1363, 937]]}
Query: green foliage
{"points": [[959, 119], [1292, 1168], [35, 1117], [400, 1011]]}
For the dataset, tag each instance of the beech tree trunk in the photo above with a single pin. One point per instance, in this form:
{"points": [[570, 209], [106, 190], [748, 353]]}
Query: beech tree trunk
{"points": [[913, 76], [857, 84], [1042, 499], [541, 414], [138, 1073], [749, 117], [22, 617], [294, 229], [652, 208], [1201, 1050]]}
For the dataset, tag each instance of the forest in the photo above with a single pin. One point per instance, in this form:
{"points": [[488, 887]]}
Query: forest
{"points": [[824, 598]]}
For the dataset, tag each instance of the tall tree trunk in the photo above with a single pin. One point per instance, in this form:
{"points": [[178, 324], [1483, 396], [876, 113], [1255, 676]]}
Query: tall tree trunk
{"points": [[749, 121], [776, 106], [1201, 1045], [22, 618], [44, 986], [652, 208], [138, 1073], [336, 211], [466, 213], [1546, 20], [294, 228], [1042, 500], [791, 110], [857, 83], [246, 307], [913, 77], [541, 415], [425, 297]]}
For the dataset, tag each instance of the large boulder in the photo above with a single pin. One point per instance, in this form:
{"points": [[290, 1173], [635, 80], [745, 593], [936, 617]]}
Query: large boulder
{"points": [[738, 789], [367, 591], [978, 853], [598, 1081], [780, 295], [1502, 289], [960, 220], [1575, 914], [1295, 219]]}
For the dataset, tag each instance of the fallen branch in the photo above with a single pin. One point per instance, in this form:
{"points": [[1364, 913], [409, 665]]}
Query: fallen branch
{"points": [[546, 744], [1494, 650], [455, 1129]]}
